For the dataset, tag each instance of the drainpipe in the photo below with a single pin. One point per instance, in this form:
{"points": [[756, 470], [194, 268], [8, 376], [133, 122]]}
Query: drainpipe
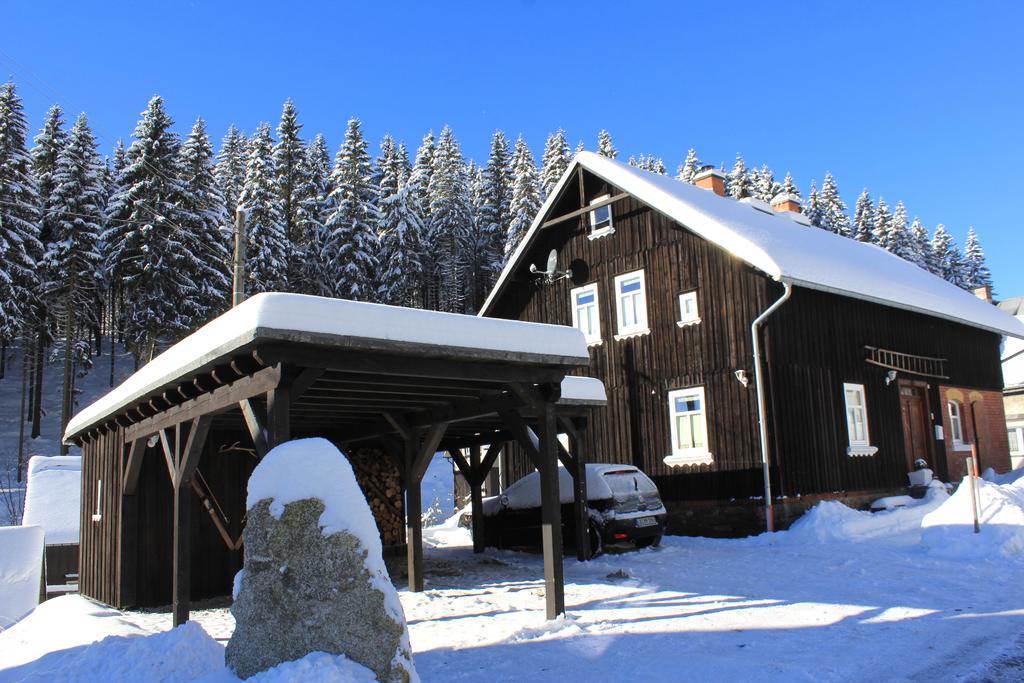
{"points": [[762, 419]]}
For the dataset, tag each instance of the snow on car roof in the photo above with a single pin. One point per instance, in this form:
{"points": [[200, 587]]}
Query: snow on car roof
{"points": [[274, 316], [783, 249]]}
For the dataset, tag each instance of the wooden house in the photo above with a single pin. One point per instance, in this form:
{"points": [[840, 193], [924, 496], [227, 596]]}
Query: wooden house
{"points": [[747, 354]]}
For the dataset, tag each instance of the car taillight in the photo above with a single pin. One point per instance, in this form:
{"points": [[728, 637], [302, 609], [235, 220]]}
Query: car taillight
{"points": [[619, 537]]}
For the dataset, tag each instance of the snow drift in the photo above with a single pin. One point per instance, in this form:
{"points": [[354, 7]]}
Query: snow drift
{"points": [[21, 566], [949, 530]]}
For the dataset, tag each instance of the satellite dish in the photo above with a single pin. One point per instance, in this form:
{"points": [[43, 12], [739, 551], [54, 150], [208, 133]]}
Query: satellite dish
{"points": [[551, 273]]}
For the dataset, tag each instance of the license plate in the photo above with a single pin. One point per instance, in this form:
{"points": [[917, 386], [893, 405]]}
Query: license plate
{"points": [[646, 521]]}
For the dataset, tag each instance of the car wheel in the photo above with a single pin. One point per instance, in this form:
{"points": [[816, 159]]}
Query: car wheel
{"points": [[596, 543], [648, 542]]}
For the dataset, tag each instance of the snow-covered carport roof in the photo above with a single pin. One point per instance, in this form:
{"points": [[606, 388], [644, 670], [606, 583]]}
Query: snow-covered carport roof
{"points": [[778, 246]]}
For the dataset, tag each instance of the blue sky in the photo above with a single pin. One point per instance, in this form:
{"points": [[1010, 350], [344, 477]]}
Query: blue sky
{"points": [[919, 101]]}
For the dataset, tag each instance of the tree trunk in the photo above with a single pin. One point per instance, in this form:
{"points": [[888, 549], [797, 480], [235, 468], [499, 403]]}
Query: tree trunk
{"points": [[21, 415], [37, 388], [112, 332], [66, 396]]}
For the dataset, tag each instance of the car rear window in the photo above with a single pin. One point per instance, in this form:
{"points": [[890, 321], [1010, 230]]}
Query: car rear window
{"points": [[629, 483]]}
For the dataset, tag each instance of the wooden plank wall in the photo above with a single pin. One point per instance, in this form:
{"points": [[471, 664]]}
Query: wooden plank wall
{"points": [[814, 343], [99, 547]]}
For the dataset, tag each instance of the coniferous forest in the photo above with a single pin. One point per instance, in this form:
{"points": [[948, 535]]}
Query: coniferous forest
{"points": [[135, 250]]}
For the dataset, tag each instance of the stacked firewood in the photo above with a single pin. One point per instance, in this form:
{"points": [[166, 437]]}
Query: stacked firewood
{"points": [[382, 486]]}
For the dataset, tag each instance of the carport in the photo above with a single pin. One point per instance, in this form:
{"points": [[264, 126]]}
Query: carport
{"points": [[405, 382]]}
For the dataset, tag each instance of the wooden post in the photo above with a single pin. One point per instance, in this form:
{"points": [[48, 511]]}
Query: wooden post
{"points": [[972, 475], [476, 498], [278, 422], [413, 518], [551, 514], [181, 587], [579, 492], [238, 278]]}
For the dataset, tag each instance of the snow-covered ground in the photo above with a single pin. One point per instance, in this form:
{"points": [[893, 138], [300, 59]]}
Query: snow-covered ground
{"points": [[844, 595]]}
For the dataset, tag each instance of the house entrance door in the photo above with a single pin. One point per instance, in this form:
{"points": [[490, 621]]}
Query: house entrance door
{"points": [[917, 438]]}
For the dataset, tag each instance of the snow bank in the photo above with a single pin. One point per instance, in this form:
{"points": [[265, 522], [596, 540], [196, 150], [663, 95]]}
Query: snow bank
{"points": [[831, 521], [21, 566], [314, 468], [53, 495], [1008, 478], [317, 666], [352, 324], [438, 491], [949, 530]]}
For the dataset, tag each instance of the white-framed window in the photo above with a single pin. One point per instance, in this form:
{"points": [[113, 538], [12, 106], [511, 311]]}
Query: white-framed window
{"points": [[631, 304], [688, 427], [98, 515], [956, 423], [688, 313], [585, 312], [857, 420], [1016, 437], [601, 218]]}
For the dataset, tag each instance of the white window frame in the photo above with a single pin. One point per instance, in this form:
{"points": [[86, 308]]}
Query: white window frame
{"points": [[956, 425], [856, 446], [606, 229], [1018, 431], [687, 456], [684, 318], [594, 338], [639, 326]]}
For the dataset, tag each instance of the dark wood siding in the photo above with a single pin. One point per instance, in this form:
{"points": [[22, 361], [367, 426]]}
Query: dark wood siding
{"points": [[100, 540], [814, 343]]}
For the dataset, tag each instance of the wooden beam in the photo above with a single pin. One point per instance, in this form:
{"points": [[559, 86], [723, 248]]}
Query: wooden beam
{"points": [[278, 416], [256, 421], [172, 465], [586, 209], [218, 400], [303, 381], [413, 518], [581, 508], [517, 426], [404, 430], [133, 467], [193, 449], [464, 467], [431, 443], [476, 499], [551, 516]]}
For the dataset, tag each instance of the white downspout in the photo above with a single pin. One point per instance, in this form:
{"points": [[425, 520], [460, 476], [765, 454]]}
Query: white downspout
{"points": [[761, 417]]}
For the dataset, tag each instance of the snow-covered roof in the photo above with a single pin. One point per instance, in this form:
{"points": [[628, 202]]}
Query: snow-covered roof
{"points": [[782, 248], [277, 317], [52, 497], [1013, 306]]}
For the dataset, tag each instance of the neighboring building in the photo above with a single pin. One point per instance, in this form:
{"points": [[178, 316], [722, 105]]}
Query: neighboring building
{"points": [[870, 364], [1013, 384], [53, 492]]}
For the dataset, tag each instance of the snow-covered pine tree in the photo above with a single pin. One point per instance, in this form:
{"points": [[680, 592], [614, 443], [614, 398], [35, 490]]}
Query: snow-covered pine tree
{"points": [[474, 244], [288, 156], [956, 268], [942, 246], [264, 225], [205, 229], [554, 162], [525, 196], [495, 209], [449, 220], [834, 211], [399, 228], [738, 180], [71, 268], [789, 187], [48, 143], [579, 147], [976, 272], [813, 208], [897, 239], [863, 217], [145, 247], [921, 247], [312, 235], [419, 191], [765, 187], [20, 247], [689, 168], [230, 171], [604, 145], [880, 230], [658, 166], [354, 221]]}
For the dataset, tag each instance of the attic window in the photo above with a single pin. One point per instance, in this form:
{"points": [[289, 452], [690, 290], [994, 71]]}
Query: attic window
{"points": [[601, 218], [688, 314]]}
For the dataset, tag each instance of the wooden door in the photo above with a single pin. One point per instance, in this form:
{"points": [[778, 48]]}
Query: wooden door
{"points": [[916, 424]]}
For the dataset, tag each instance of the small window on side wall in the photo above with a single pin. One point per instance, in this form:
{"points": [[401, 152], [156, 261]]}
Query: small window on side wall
{"points": [[688, 427], [585, 313], [688, 313], [1016, 438], [857, 420], [601, 218], [956, 423]]}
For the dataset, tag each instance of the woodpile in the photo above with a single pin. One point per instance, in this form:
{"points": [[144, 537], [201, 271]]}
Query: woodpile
{"points": [[382, 485]]}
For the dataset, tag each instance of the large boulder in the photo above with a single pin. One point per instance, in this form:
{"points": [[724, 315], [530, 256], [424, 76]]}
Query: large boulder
{"points": [[313, 578]]}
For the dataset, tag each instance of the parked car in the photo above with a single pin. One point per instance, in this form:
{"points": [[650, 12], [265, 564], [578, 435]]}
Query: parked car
{"points": [[625, 508]]}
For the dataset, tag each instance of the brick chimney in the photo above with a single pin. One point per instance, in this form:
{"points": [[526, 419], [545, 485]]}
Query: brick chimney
{"points": [[984, 292], [785, 202], [710, 178]]}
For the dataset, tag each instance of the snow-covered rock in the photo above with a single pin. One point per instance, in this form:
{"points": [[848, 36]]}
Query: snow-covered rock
{"points": [[314, 577], [21, 565]]}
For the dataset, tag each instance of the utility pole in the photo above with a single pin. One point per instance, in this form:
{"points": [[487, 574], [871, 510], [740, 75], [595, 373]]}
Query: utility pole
{"points": [[238, 279]]}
